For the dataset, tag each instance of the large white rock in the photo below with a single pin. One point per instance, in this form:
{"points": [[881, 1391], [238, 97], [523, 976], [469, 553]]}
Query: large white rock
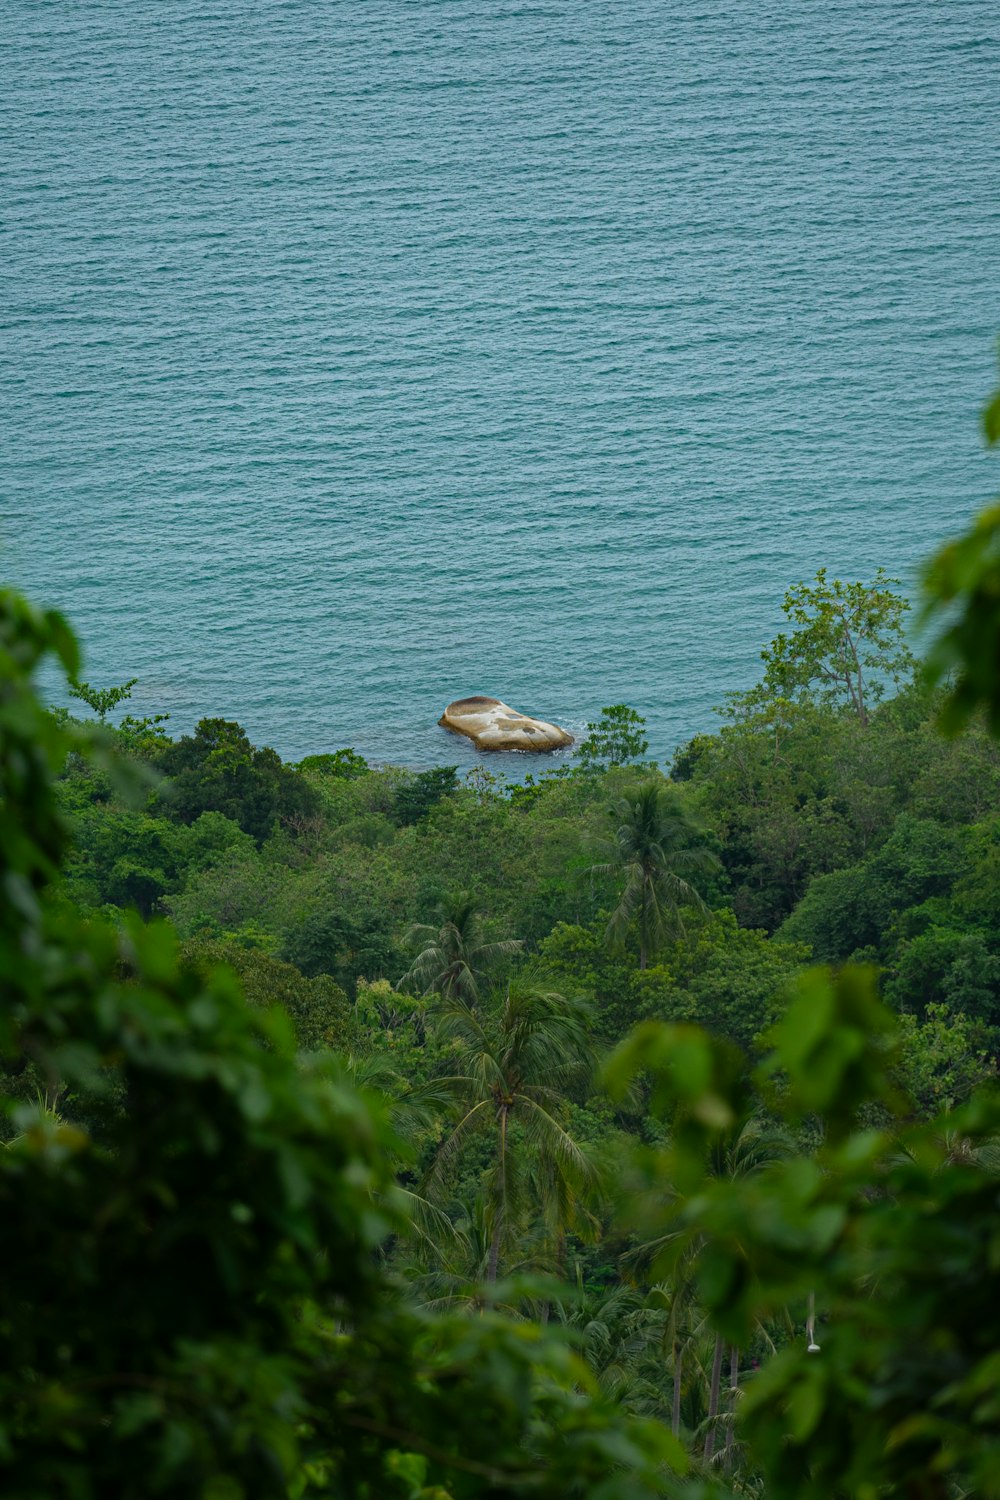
{"points": [[493, 725]]}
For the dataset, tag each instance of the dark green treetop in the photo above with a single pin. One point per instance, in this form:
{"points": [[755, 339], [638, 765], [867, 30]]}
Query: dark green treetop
{"points": [[217, 769]]}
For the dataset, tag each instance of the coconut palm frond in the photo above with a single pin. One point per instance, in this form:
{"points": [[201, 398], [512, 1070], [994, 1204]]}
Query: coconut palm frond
{"points": [[554, 1139], [472, 1120], [428, 1222], [654, 846], [450, 959], [519, 1053]]}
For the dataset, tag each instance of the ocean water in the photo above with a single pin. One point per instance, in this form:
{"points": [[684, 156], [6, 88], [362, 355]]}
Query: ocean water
{"points": [[360, 356]]}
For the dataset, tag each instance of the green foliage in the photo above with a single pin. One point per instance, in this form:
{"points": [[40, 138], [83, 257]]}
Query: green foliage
{"points": [[341, 763], [962, 585], [218, 770], [855, 908], [167, 1262], [721, 976], [772, 784], [847, 644], [957, 966], [834, 1043], [33, 828], [893, 1235], [318, 1008], [124, 857], [328, 942], [102, 700], [450, 959], [925, 906], [962, 593], [991, 419], [422, 791], [794, 791], [521, 1055], [388, 1018], [942, 1059], [577, 960], [144, 738], [616, 738], [729, 979], [192, 1304], [654, 846], [486, 786]]}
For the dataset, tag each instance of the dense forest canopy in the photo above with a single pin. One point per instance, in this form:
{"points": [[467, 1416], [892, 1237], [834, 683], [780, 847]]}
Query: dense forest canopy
{"points": [[625, 1132]]}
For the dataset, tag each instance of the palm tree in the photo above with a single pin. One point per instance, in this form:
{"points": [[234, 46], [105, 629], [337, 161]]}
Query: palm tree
{"points": [[605, 1320], [746, 1148], [520, 1058], [737, 1154], [677, 1299], [451, 958], [412, 1110], [566, 1202], [448, 1270], [653, 845]]}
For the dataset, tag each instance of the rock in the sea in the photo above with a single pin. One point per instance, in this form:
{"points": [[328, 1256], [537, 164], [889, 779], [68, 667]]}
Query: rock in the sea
{"points": [[492, 725]]}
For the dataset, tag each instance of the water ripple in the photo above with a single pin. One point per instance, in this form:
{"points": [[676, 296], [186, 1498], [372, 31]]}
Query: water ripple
{"points": [[356, 358]]}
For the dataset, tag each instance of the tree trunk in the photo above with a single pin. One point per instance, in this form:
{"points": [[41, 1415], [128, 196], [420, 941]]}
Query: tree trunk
{"points": [[494, 1260], [643, 926], [675, 1409], [713, 1397], [734, 1388], [858, 690]]}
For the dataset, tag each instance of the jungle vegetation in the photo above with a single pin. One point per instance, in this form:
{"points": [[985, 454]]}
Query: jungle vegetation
{"points": [[625, 1132]]}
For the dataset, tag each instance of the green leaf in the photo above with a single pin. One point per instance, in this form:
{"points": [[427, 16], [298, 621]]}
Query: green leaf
{"points": [[991, 420]]}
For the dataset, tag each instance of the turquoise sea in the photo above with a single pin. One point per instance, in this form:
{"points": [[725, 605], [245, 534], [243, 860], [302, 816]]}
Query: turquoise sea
{"points": [[360, 356]]}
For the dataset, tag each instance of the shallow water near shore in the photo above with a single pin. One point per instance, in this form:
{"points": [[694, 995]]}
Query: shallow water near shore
{"points": [[357, 359]]}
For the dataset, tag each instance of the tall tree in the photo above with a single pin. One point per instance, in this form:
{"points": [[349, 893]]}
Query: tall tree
{"points": [[616, 738], [846, 643], [519, 1061], [655, 846], [735, 1154]]}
